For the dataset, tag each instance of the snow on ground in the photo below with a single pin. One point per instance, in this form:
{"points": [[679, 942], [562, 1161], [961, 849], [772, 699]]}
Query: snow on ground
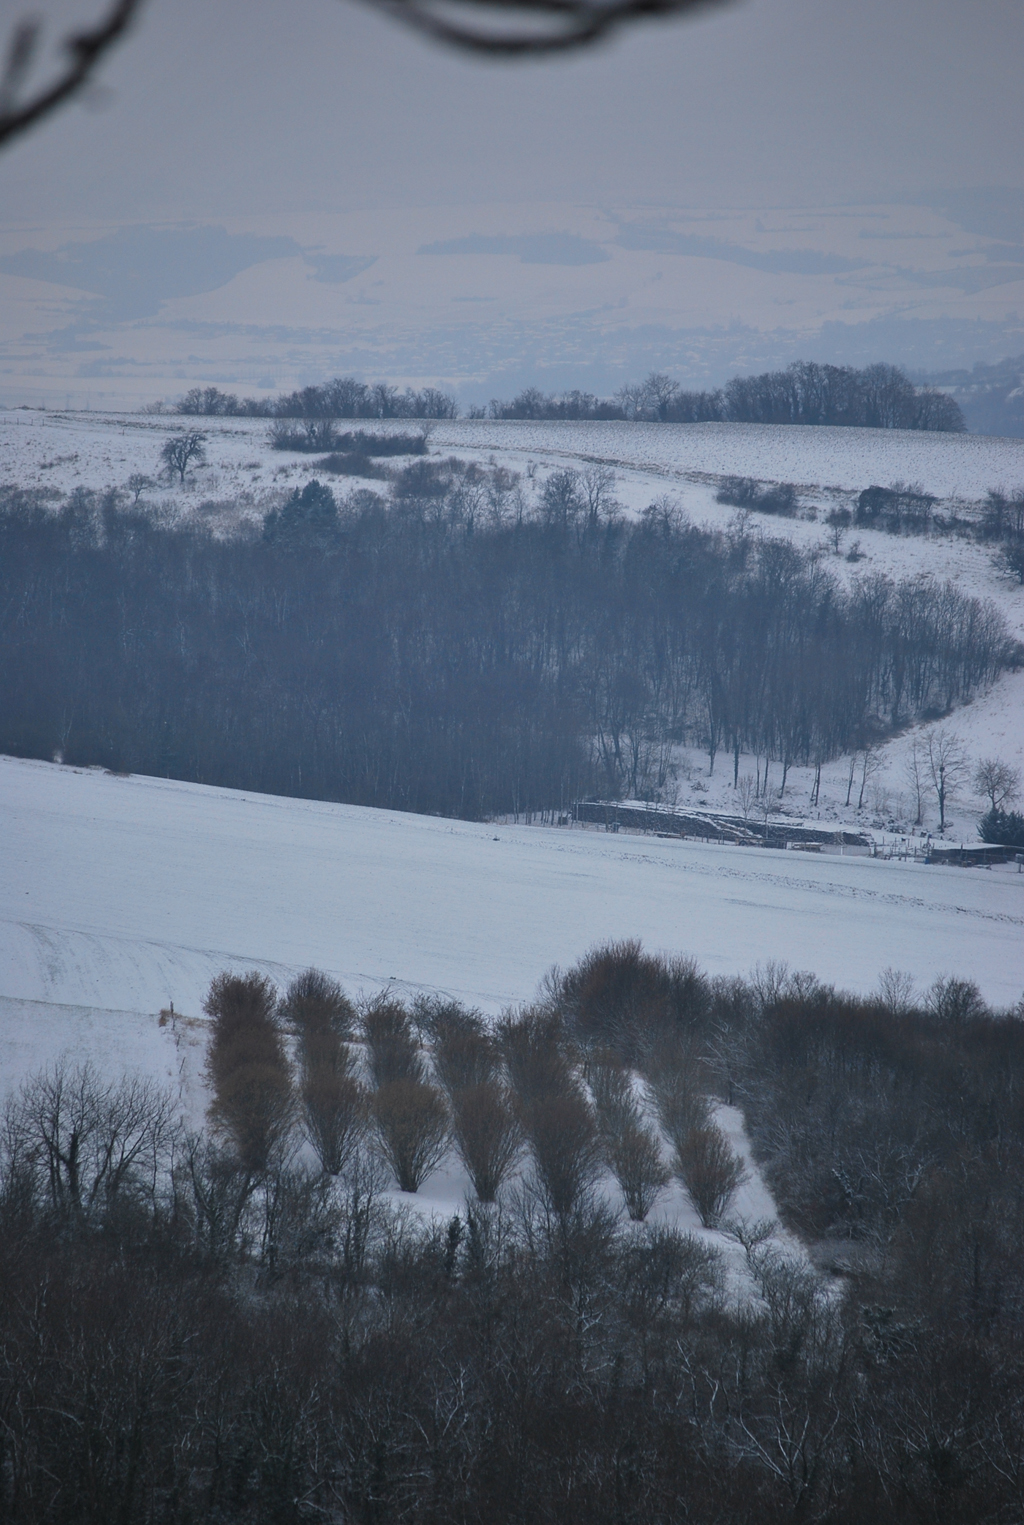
{"points": [[128, 893], [98, 450]]}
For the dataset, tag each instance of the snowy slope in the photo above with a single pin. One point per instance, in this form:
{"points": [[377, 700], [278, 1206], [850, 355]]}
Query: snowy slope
{"points": [[98, 450], [127, 893], [119, 895]]}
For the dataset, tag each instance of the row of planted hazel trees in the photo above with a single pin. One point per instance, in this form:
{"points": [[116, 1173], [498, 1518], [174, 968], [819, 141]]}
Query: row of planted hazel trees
{"points": [[607, 1073], [644, 1025]]}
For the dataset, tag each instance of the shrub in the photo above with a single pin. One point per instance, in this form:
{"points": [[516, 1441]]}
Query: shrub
{"points": [[253, 1097], [392, 1048], [745, 492], [566, 1149], [310, 436], [537, 1063], [313, 1001], [709, 1170], [355, 465], [487, 1136], [634, 1155], [464, 1058], [361, 443], [412, 1127]]}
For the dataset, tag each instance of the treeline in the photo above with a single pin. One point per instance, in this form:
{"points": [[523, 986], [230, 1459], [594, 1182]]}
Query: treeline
{"points": [[457, 647], [877, 397], [191, 1330], [344, 397]]}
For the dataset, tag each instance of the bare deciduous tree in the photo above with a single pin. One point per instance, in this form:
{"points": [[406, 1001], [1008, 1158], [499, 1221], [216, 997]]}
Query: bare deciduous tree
{"points": [[523, 28], [412, 1127], [183, 450], [254, 1102], [631, 1150], [634, 1155], [914, 768], [896, 991], [566, 1149], [392, 1047], [997, 781], [93, 1142], [487, 1136], [710, 1172], [948, 766]]}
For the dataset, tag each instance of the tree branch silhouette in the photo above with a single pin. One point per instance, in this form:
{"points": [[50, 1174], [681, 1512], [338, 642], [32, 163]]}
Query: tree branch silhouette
{"points": [[83, 52]]}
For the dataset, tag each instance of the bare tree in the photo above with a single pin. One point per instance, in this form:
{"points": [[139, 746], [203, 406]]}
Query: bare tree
{"points": [[183, 450], [538, 1065], [412, 1127], [914, 768], [464, 1053], [254, 1102], [487, 1135], [631, 1150], [710, 1172], [392, 1047], [634, 1155], [314, 1002], [870, 765], [536, 27], [566, 1150], [948, 766], [677, 1094], [838, 521], [997, 781], [746, 793], [137, 484], [896, 991], [92, 1142]]}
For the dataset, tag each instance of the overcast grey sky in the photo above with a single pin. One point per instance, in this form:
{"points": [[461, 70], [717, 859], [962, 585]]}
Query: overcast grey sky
{"points": [[246, 107]]}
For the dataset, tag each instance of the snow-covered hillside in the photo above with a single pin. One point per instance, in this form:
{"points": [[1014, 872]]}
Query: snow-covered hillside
{"points": [[99, 450], [128, 893]]}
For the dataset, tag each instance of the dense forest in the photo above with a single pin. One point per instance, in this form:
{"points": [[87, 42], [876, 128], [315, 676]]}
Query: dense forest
{"points": [[877, 397], [242, 1324], [454, 645]]}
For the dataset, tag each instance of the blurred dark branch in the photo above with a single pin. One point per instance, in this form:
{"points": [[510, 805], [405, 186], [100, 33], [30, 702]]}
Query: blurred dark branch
{"points": [[83, 51], [547, 26], [479, 26]]}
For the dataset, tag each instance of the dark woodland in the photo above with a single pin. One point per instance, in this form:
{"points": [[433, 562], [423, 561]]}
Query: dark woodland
{"points": [[234, 1325], [456, 645]]}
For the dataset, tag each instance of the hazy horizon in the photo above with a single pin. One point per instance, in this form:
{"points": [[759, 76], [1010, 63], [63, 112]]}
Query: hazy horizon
{"points": [[770, 179]]}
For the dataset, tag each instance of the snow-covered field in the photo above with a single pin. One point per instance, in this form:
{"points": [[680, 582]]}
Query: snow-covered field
{"points": [[98, 450], [129, 893]]}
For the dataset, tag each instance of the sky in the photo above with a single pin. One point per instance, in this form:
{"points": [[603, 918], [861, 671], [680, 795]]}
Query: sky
{"points": [[271, 119]]}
